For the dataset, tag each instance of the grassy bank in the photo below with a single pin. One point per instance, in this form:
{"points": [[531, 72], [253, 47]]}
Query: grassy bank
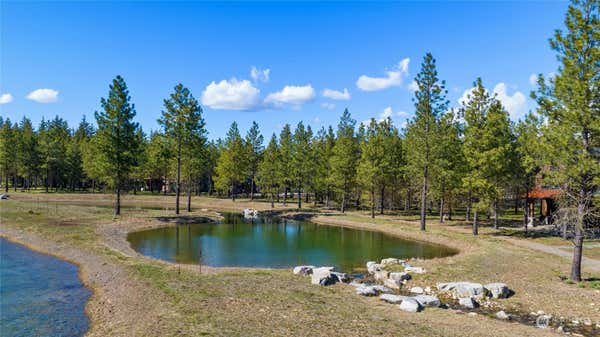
{"points": [[135, 295]]}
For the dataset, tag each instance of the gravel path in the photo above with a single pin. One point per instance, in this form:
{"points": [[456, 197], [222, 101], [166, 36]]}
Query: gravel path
{"points": [[588, 263]]}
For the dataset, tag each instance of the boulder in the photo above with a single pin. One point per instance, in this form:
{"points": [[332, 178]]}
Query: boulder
{"points": [[381, 275], [391, 298], [391, 283], [417, 290], [410, 305], [411, 269], [372, 290], [391, 260], [373, 266], [498, 290], [468, 302], [502, 315], [400, 276], [428, 300], [303, 270], [322, 276], [340, 277], [463, 289]]}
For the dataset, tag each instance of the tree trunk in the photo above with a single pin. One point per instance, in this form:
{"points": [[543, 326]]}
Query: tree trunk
{"points": [[343, 202], [450, 209], [327, 200], [475, 224], [525, 213], [381, 199], [285, 196], [178, 191], [424, 198], [6, 184], [252, 188], [232, 191], [578, 240], [468, 213], [189, 195], [118, 201], [372, 203], [495, 213], [299, 196], [272, 200], [441, 210]]}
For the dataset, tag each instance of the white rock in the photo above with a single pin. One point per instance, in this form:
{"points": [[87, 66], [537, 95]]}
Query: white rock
{"points": [[410, 305], [410, 269], [322, 276], [340, 277], [390, 260], [391, 283], [540, 312], [400, 276], [417, 290], [498, 290], [463, 289], [543, 321], [428, 300], [303, 270], [502, 315], [428, 290], [381, 275], [467, 302], [373, 266], [391, 298], [372, 290]]}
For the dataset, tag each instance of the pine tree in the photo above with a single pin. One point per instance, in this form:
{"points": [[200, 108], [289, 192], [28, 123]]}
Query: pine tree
{"points": [[28, 159], [430, 102], [254, 142], [183, 123], [371, 168], [344, 159], [449, 165], [268, 181], [285, 160], [232, 165], [302, 163], [7, 139], [116, 136], [570, 104]]}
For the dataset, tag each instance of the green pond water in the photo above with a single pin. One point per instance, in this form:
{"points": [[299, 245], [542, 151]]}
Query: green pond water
{"points": [[275, 243]]}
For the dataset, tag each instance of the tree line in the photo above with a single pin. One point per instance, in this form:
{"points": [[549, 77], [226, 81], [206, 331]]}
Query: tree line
{"points": [[472, 158]]}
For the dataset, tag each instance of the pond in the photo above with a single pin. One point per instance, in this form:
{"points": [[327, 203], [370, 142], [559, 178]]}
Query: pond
{"points": [[39, 295], [275, 243]]}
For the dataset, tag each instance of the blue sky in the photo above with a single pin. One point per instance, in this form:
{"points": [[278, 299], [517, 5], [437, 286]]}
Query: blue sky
{"points": [[373, 50]]}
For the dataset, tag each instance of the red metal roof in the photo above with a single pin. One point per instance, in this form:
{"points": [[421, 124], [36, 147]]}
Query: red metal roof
{"points": [[543, 193]]}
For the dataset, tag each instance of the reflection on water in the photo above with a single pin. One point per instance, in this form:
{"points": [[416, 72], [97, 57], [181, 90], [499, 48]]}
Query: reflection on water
{"points": [[275, 242], [39, 295]]}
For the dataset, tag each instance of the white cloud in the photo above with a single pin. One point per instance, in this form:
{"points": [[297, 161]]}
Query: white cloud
{"points": [[231, 95], [6, 98], [388, 112], [290, 94], [328, 105], [393, 77], [260, 74], [533, 79], [43, 95], [516, 105], [317, 120], [413, 86], [337, 95], [464, 99]]}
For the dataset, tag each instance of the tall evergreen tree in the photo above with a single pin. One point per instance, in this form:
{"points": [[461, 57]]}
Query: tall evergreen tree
{"points": [[285, 160], [28, 159], [343, 162], [254, 142], [430, 102], [7, 139], [302, 163], [116, 136], [371, 167], [182, 122], [267, 170], [570, 104], [232, 165]]}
